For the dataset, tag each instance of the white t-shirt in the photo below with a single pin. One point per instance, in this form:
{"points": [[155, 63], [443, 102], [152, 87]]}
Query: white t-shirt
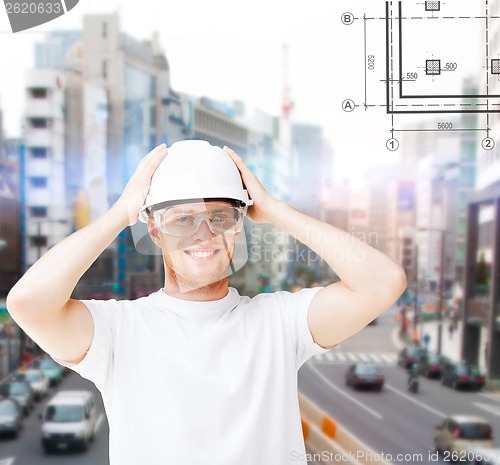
{"points": [[209, 383]]}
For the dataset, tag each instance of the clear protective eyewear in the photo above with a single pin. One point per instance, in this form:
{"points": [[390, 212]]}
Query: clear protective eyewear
{"points": [[181, 222]]}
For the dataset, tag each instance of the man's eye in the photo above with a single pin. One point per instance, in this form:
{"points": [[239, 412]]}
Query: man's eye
{"points": [[182, 220]]}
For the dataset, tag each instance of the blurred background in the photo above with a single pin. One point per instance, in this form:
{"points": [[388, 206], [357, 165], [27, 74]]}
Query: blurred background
{"points": [[83, 98]]}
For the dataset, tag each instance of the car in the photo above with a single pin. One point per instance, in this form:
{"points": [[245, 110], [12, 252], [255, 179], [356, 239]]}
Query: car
{"points": [[37, 379], [431, 365], [11, 417], [460, 433], [20, 391], [462, 375], [364, 375], [68, 421], [410, 355], [51, 369]]}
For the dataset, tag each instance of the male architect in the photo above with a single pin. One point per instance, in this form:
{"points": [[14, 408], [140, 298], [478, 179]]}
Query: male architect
{"points": [[195, 373]]}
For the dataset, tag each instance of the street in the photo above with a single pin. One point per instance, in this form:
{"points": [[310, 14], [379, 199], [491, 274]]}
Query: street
{"points": [[392, 421], [27, 449]]}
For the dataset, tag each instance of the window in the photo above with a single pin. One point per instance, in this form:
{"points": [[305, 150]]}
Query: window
{"points": [[461, 226], [407, 253], [39, 152], [462, 201], [38, 241], [460, 253], [407, 263], [452, 426], [39, 92], [64, 413], [467, 177], [39, 123], [38, 182], [38, 212], [104, 31], [104, 69], [468, 152], [475, 431]]}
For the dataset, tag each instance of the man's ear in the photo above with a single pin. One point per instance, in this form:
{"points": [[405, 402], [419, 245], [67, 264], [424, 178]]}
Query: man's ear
{"points": [[153, 233]]}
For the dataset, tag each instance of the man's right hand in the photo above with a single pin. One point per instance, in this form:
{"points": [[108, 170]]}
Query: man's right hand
{"points": [[137, 188]]}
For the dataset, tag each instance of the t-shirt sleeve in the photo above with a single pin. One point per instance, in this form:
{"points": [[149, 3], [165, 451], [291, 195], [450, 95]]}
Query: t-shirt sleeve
{"points": [[97, 365], [295, 308]]}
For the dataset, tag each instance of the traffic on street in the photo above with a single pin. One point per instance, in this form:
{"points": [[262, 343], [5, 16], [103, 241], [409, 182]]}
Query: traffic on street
{"points": [[26, 448], [397, 424]]}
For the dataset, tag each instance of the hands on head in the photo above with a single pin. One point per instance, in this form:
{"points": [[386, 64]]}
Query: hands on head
{"points": [[262, 200], [136, 190]]}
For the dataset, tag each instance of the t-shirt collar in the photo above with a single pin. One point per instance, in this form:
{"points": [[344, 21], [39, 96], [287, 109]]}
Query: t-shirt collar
{"points": [[166, 302]]}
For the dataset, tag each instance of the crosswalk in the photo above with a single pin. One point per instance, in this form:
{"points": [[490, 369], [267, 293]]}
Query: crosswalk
{"points": [[343, 358]]}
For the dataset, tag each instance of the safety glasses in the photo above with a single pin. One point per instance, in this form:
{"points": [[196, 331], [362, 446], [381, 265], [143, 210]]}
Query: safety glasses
{"points": [[185, 220]]}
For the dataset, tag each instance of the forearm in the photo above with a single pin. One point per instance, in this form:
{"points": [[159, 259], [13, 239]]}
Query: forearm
{"points": [[49, 283], [361, 267]]}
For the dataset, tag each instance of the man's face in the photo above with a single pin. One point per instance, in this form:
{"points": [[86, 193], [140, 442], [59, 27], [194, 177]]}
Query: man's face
{"points": [[195, 256]]}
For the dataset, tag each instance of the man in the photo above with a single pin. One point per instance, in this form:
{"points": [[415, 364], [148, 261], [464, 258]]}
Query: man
{"points": [[196, 373]]}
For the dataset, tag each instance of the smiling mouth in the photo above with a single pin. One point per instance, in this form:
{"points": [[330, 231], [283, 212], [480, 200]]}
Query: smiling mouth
{"points": [[202, 254]]}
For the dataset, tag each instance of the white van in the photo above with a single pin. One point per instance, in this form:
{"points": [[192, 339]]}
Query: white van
{"points": [[69, 421]]}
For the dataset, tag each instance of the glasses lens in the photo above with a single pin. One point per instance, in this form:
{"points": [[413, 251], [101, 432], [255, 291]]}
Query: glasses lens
{"points": [[182, 223]]}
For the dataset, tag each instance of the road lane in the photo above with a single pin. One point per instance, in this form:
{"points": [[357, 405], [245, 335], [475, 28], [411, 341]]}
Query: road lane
{"points": [[345, 394], [404, 429], [27, 449]]}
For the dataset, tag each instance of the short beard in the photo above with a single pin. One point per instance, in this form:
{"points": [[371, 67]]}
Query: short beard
{"points": [[188, 285]]}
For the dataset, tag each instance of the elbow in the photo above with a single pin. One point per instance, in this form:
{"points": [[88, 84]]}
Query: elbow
{"points": [[14, 302], [400, 282], [391, 290], [18, 303]]}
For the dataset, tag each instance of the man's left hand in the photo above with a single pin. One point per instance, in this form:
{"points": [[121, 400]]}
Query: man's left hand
{"points": [[263, 202]]}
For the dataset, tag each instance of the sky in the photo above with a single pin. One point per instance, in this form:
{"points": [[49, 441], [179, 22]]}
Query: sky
{"points": [[233, 50]]}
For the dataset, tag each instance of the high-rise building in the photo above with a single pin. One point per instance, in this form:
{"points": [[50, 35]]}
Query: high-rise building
{"points": [[481, 301], [442, 166], [52, 51], [10, 266], [45, 211], [310, 172], [10, 246], [2, 147], [135, 76], [310, 165], [379, 180]]}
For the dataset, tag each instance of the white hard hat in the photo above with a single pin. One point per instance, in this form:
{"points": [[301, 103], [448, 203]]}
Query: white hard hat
{"points": [[194, 170]]}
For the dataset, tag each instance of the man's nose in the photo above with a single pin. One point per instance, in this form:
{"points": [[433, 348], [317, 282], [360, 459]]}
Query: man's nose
{"points": [[203, 232]]}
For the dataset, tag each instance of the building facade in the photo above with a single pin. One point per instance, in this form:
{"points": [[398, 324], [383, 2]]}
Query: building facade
{"points": [[10, 238], [53, 50], [45, 214], [481, 302]]}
